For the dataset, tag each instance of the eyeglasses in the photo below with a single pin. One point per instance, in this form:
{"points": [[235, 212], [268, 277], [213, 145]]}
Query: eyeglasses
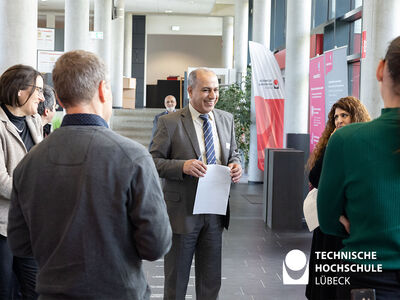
{"points": [[38, 89]]}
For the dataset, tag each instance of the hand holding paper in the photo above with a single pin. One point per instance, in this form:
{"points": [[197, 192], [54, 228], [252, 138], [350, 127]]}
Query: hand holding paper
{"points": [[213, 191]]}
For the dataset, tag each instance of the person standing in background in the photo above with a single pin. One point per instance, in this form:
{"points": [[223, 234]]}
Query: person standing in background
{"points": [[47, 109], [170, 104]]}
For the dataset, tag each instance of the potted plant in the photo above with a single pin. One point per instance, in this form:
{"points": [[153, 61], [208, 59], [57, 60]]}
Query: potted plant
{"points": [[236, 99]]}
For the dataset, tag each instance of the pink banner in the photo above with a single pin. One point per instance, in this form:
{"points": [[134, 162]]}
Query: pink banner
{"points": [[317, 99], [269, 123]]}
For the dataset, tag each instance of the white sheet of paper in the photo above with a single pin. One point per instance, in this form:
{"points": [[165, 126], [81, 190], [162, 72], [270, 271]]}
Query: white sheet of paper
{"points": [[310, 210], [213, 191]]}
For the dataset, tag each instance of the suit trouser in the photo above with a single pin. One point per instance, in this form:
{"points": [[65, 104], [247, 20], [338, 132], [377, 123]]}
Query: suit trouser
{"points": [[206, 243]]}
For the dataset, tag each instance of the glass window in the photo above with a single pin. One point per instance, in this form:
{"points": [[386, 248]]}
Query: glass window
{"points": [[354, 79], [320, 8], [356, 3], [355, 37]]}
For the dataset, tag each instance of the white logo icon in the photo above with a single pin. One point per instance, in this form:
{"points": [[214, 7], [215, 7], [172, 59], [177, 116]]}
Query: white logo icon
{"points": [[296, 261]]}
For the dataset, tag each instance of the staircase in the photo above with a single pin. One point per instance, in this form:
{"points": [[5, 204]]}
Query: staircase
{"points": [[135, 124]]}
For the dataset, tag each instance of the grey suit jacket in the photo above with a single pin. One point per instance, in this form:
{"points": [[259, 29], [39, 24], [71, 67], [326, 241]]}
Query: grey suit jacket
{"points": [[174, 143], [12, 150], [88, 204]]}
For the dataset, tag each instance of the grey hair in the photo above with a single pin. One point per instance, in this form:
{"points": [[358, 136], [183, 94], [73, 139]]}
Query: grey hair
{"points": [[77, 75], [192, 79], [49, 99]]}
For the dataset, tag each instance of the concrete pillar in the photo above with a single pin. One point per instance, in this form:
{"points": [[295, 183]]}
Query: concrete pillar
{"points": [[297, 66], [227, 42], [382, 24], [117, 67], [102, 23], [261, 21], [76, 25], [241, 37], [18, 33], [261, 34], [50, 20], [128, 46]]}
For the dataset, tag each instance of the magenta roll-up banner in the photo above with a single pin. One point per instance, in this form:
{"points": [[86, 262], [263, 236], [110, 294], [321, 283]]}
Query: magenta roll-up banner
{"points": [[317, 99], [335, 77]]}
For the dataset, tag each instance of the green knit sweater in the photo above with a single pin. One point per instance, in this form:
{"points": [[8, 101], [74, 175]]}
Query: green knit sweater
{"points": [[361, 179]]}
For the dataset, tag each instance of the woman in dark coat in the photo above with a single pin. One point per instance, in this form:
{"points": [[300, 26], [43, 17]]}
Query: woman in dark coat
{"points": [[345, 111]]}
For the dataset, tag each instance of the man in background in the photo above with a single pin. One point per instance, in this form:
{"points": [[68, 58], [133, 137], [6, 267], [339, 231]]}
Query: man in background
{"points": [[87, 202], [184, 144], [170, 104], [47, 109]]}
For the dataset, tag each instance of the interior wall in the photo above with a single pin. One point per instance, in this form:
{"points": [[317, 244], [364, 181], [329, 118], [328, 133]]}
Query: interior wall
{"points": [[188, 25], [171, 55]]}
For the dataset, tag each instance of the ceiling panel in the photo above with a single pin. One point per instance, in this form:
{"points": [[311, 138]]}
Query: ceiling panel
{"points": [[149, 6]]}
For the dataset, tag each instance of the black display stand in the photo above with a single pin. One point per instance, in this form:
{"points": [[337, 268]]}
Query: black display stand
{"points": [[284, 209]]}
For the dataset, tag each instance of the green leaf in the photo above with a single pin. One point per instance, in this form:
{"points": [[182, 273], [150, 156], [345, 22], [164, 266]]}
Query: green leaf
{"points": [[237, 101]]}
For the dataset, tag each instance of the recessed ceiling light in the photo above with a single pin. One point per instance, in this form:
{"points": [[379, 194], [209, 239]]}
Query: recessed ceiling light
{"points": [[175, 27], [168, 11]]}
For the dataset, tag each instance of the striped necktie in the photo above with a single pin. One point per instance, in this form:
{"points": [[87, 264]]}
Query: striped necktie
{"points": [[208, 140]]}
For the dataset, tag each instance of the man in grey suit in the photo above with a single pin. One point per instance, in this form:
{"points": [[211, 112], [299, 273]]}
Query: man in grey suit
{"points": [[87, 202], [181, 152]]}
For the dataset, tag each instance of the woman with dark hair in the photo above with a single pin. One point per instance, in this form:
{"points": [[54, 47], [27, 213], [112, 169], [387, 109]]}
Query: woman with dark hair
{"points": [[345, 111], [361, 180], [21, 90]]}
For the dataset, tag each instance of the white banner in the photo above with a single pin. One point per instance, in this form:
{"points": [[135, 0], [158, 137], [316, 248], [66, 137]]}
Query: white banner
{"points": [[46, 38], [268, 91], [47, 60]]}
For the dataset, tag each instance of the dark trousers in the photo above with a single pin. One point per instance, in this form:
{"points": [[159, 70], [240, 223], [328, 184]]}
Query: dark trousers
{"points": [[205, 242], [386, 284], [24, 269]]}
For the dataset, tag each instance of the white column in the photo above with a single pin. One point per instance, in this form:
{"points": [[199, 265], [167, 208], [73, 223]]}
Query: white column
{"points": [[102, 23], [18, 33], [117, 67], [227, 42], [50, 20], [297, 66], [241, 37], [262, 21], [382, 24], [261, 34], [76, 25], [128, 46]]}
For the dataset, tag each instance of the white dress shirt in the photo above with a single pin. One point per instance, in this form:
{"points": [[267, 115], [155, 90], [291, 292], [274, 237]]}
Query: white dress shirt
{"points": [[198, 125]]}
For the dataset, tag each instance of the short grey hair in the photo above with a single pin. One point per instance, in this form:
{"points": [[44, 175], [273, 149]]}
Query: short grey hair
{"points": [[77, 75], [49, 100], [192, 79]]}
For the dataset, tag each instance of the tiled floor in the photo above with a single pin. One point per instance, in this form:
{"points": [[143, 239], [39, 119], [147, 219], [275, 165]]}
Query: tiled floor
{"points": [[252, 254]]}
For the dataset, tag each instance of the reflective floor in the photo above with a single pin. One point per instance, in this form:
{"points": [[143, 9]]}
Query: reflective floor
{"points": [[252, 254]]}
